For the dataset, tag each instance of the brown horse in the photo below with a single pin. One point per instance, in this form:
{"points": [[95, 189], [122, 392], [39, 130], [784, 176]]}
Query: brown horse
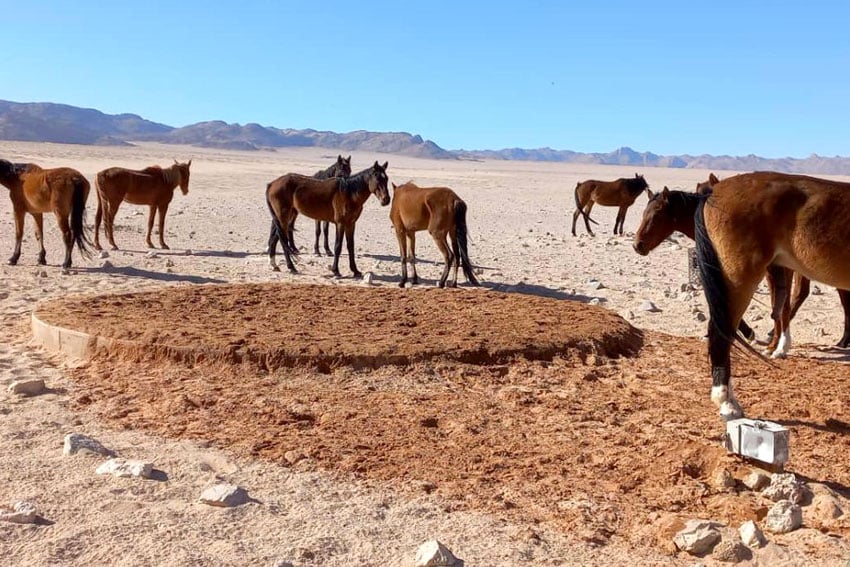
{"points": [[762, 222], [442, 213], [152, 186], [62, 191], [620, 193], [340, 168], [670, 211], [336, 200]]}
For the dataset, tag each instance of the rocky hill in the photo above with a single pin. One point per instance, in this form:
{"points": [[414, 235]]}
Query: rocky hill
{"points": [[48, 122]]}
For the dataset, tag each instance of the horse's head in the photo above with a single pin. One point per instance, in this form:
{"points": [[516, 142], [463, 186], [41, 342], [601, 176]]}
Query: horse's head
{"points": [[705, 187], [7, 170], [342, 167], [183, 172], [656, 224], [641, 183], [377, 179]]}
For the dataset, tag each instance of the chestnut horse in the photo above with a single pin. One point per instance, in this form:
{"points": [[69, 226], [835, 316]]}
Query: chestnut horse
{"points": [[620, 193], [336, 200], [442, 213], [780, 336], [340, 168], [762, 222], [670, 211], [62, 191], [152, 186]]}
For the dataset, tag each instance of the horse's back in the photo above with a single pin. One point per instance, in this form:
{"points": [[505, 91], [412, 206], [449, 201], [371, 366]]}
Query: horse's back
{"points": [[138, 187], [46, 189], [310, 196], [797, 221], [414, 206]]}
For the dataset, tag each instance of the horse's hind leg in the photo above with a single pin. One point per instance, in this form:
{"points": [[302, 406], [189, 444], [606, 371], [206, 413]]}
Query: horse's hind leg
{"points": [[109, 221], [65, 227], [318, 237], [440, 240], [326, 226], [586, 215], [337, 250], [98, 217], [455, 258], [844, 295], [39, 236], [777, 278], [801, 285], [19, 235], [151, 215], [349, 241], [402, 247]]}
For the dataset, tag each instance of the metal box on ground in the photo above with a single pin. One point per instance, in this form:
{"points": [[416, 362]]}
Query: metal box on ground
{"points": [[761, 440]]}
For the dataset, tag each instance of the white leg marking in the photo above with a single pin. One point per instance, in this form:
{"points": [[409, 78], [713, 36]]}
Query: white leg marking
{"points": [[783, 346]]}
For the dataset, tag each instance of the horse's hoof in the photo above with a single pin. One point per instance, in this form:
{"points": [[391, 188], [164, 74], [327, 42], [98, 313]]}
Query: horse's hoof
{"points": [[357, 275], [13, 261], [165, 246], [730, 411], [275, 268], [779, 354]]}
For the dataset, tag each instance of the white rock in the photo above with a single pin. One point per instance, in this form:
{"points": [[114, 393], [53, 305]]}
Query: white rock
{"points": [[125, 468], [698, 537], [106, 265], [595, 284], [751, 534], [79, 443], [188, 252], [816, 290], [367, 278], [27, 387], [152, 254], [595, 301], [756, 481], [784, 517], [20, 513], [730, 551], [103, 254], [434, 554], [785, 486], [224, 495], [649, 307]]}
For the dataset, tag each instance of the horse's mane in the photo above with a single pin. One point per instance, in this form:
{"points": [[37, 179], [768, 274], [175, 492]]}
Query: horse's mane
{"points": [[355, 183], [681, 202], [153, 170]]}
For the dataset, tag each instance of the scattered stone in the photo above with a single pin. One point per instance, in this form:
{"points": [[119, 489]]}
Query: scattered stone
{"points": [[595, 301], [434, 554], [27, 387], [188, 252], [757, 481], [698, 537], [756, 317], [367, 278], [785, 486], [595, 284], [224, 495], [700, 316], [649, 307], [816, 290], [125, 468], [687, 286], [169, 263], [479, 271], [824, 509], [751, 534], [730, 551], [724, 480], [784, 517], [79, 443], [106, 265], [152, 254], [41, 273], [20, 513], [103, 254], [284, 563]]}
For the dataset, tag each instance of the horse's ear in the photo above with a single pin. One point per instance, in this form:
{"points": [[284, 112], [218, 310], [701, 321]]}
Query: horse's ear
{"points": [[394, 185], [348, 159], [190, 163], [713, 179], [175, 162], [339, 158], [665, 193], [386, 165]]}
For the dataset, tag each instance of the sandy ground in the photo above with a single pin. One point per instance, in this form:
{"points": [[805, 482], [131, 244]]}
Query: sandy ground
{"points": [[335, 509]]}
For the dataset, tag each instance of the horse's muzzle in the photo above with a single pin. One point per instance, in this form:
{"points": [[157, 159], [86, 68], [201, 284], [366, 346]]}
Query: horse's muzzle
{"points": [[640, 248]]}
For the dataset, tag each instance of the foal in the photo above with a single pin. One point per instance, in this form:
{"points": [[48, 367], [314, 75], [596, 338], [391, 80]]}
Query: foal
{"points": [[442, 213], [62, 191]]}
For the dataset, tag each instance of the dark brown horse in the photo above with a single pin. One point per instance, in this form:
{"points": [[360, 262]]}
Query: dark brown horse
{"points": [[443, 214], [152, 186], [340, 168], [762, 222], [620, 193], [669, 211], [336, 200], [62, 191]]}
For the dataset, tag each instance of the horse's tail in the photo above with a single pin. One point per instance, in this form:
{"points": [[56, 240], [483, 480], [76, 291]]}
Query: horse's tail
{"points": [[714, 285], [282, 234], [579, 208], [462, 231], [78, 215]]}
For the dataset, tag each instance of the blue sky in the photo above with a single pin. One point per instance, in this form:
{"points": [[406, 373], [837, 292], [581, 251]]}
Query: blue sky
{"points": [[767, 78]]}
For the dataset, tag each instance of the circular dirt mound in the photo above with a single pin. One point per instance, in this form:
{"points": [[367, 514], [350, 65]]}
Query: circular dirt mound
{"points": [[274, 325]]}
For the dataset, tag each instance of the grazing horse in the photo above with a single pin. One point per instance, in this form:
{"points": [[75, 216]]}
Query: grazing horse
{"points": [[340, 168], [336, 200], [152, 186], [442, 213], [780, 336], [620, 193], [62, 191], [762, 222]]}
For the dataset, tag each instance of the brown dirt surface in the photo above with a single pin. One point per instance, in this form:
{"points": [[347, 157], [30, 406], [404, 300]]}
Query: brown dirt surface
{"points": [[586, 440], [276, 325]]}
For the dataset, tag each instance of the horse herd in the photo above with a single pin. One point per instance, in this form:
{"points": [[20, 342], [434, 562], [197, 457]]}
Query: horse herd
{"points": [[790, 228]]}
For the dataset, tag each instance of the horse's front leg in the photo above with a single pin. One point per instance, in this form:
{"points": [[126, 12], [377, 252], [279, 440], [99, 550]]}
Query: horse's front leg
{"points": [[39, 236], [844, 295], [400, 237], [162, 210], [98, 217], [337, 250], [19, 235], [325, 229], [318, 238], [777, 278], [152, 213], [349, 241], [411, 255]]}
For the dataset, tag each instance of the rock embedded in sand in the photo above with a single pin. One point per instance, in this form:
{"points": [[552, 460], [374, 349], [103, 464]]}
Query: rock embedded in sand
{"points": [[730, 551], [27, 387], [125, 468], [751, 534], [784, 517], [224, 495], [698, 537], [785, 486], [756, 481], [649, 307], [20, 513], [79, 443], [434, 554]]}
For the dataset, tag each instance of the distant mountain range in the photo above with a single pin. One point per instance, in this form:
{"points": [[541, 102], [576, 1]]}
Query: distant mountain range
{"points": [[49, 122]]}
